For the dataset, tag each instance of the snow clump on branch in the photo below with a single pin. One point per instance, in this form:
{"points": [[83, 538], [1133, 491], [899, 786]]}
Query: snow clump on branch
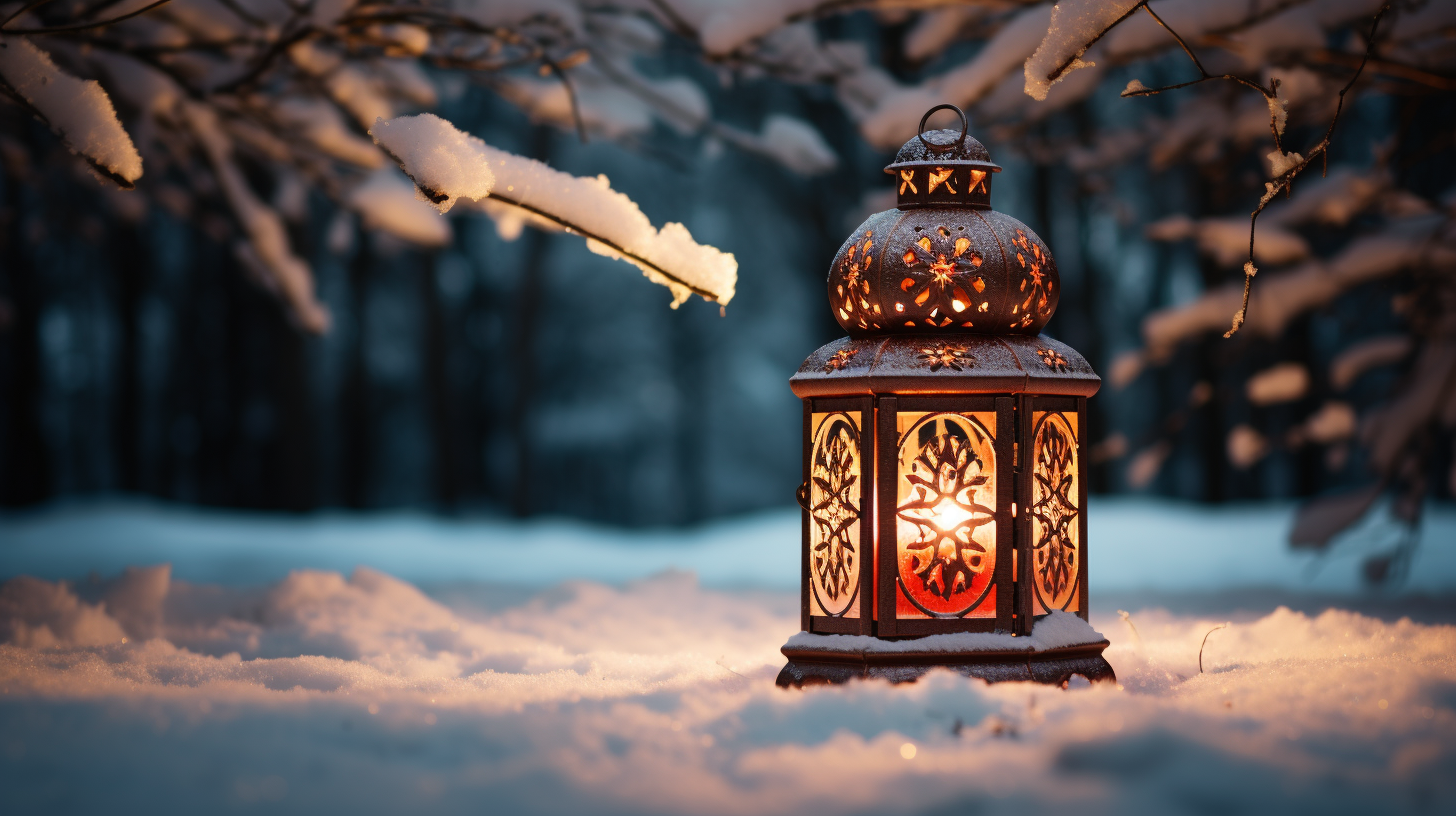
{"points": [[79, 111], [447, 165], [1075, 25], [444, 163]]}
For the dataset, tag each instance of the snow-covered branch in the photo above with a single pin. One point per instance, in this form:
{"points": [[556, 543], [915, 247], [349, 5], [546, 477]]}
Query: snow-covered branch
{"points": [[450, 166]]}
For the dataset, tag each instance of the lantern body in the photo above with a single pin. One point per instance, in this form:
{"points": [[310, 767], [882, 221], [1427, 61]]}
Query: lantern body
{"points": [[943, 486]]}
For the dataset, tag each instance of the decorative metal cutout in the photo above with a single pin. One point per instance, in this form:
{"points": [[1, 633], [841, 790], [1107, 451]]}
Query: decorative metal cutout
{"points": [[834, 511], [978, 179], [939, 176], [1036, 287], [854, 287], [947, 355], [1054, 525], [907, 179], [945, 516], [1053, 359], [838, 360], [941, 267]]}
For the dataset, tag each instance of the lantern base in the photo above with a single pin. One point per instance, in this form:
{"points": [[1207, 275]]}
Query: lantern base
{"points": [[1053, 667]]}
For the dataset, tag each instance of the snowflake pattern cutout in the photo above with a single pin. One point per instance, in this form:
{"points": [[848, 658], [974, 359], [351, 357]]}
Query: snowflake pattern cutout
{"points": [[1053, 360], [946, 472], [854, 286], [942, 268], [946, 355], [1035, 286], [834, 511], [838, 360], [1055, 549]]}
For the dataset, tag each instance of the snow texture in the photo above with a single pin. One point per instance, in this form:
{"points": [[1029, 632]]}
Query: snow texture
{"points": [[77, 110], [1333, 422], [447, 165], [1281, 296], [898, 110], [798, 145], [1073, 26], [1052, 632], [1281, 163], [729, 26], [1374, 352], [266, 252], [1246, 446], [364, 694], [387, 201], [1280, 383]]}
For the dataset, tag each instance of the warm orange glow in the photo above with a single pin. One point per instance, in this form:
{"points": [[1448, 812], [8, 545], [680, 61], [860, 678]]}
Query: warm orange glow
{"points": [[945, 521], [961, 245], [906, 284], [979, 285], [939, 176], [941, 269], [978, 178], [907, 180]]}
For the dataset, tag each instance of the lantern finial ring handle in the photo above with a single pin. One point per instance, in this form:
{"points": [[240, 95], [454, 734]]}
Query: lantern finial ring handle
{"points": [[935, 148]]}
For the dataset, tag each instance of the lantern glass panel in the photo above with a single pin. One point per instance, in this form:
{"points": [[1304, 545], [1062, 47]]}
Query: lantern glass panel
{"points": [[945, 515], [835, 514], [1055, 525]]}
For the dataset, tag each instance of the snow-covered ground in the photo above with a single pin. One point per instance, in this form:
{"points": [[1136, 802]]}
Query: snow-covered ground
{"points": [[403, 664]]}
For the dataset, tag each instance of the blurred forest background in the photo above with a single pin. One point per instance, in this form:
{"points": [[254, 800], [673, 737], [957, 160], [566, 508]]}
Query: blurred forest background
{"points": [[530, 376]]}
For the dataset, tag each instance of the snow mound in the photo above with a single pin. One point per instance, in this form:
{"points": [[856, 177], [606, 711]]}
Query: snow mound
{"points": [[321, 693]]}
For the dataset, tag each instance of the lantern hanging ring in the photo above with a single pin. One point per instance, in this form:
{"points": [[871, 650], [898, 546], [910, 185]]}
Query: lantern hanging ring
{"points": [[965, 128]]}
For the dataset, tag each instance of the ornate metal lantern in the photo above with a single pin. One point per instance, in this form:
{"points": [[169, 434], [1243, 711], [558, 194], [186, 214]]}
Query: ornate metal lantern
{"points": [[943, 488]]}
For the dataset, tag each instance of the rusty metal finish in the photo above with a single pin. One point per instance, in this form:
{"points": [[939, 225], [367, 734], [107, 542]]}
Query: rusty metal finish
{"points": [[1011, 364]]}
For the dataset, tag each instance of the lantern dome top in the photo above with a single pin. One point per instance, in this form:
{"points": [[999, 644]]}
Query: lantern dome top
{"points": [[943, 261], [943, 147]]}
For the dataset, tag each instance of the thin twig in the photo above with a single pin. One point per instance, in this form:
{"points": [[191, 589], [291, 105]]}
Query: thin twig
{"points": [[83, 26], [570, 95], [616, 247], [1205, 643], [1286, 181], [1203, 74], [266, 61], [1061, 69], [31, 6]]}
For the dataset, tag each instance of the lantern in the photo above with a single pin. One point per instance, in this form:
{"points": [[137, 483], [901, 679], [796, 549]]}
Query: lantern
{"points": [[944, 489]]}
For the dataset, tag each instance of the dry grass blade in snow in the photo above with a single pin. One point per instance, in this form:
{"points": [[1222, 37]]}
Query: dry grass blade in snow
{"points": [[448, 165]]}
